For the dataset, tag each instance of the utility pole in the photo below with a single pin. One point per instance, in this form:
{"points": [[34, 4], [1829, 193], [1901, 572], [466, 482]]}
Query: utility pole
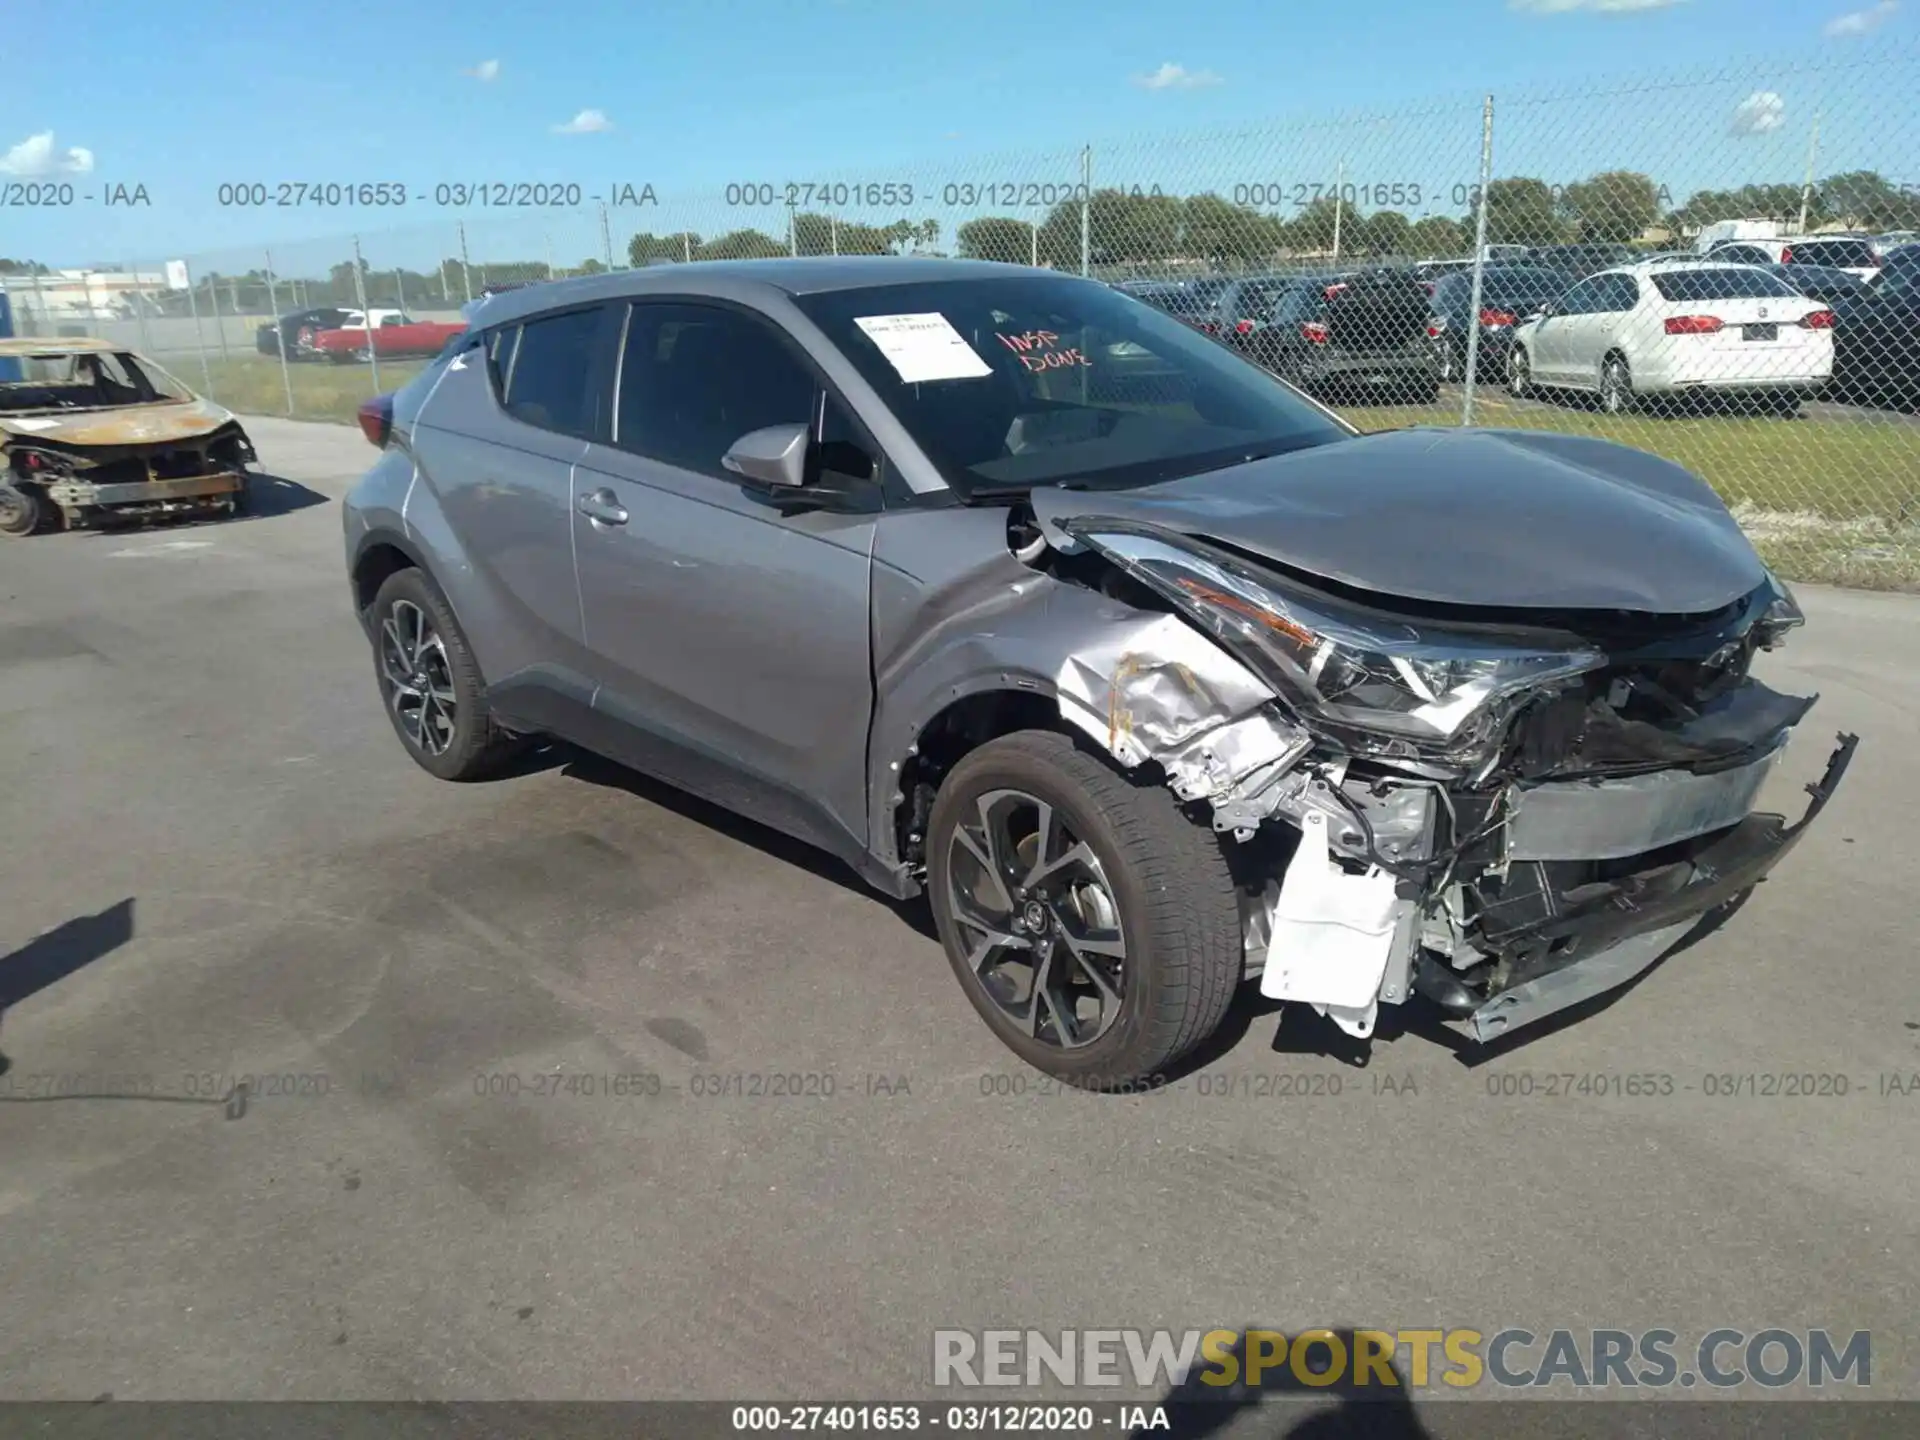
{"points": [[1806, 191], [1086, 201], [1339, 205], [1479, 260]]}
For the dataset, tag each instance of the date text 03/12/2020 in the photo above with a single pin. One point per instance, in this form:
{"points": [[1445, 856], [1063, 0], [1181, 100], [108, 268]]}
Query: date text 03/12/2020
{"points": [[446, 195]]}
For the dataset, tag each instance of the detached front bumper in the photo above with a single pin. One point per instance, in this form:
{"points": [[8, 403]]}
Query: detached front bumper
{"points": [[1605, 939], [196, 489]]}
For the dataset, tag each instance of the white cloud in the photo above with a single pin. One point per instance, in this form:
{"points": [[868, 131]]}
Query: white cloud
{"points": [[1859, 22], [36, 156], [1177, 77], [587, 122], [485, 70], [1604, 7], [1758, 113]]}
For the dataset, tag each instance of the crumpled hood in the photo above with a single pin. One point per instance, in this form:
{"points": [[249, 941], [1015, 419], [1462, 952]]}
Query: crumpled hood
{"points": [[1500, 518], [133, 425]]}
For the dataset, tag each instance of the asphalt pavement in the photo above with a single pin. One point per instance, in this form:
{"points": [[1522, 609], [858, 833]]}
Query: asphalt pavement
{"points": [[218, 862]]}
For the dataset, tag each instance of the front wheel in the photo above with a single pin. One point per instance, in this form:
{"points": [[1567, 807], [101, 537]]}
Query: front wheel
{"points": [[1092, 925], [1616, 386], [23, 510]]}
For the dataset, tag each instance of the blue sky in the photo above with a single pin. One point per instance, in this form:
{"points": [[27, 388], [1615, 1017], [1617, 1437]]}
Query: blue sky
{"points": [[692, 95]]}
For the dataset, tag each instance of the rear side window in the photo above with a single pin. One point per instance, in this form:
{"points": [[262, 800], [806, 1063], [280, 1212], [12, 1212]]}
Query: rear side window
{"points": [[1743, 255], [1732, 283], [549, 383], [1846, 254]]}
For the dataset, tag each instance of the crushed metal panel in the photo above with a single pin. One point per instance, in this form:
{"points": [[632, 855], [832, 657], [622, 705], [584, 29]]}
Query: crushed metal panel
{"points": [[1598, 973], [1612, 819], [1152, 684], [129, 425]]}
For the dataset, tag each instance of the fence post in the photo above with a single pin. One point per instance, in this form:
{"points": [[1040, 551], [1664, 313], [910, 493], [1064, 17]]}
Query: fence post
{"points": [[400, 287], [1086, 202], [140, 307], [199, 338], [279, 334], [686, 246], [219, 325], [39, 307], [360, 293], [1813, 158], [549, 240], [466, 282], [1339, 205], [1479, 262]]}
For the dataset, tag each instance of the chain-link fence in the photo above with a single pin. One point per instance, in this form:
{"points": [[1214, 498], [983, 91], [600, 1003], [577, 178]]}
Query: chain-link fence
{"points": [[1721, 268]]}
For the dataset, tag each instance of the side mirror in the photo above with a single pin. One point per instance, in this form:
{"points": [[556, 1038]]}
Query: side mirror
{"points": [[776, 455]]}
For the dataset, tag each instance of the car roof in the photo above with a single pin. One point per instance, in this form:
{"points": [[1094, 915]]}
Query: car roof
{"points": [[801, 275], [67, 345]]}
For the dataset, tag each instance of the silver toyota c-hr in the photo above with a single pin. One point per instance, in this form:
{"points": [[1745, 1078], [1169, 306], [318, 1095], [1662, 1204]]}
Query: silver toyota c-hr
{"points": [[1153, 675]]}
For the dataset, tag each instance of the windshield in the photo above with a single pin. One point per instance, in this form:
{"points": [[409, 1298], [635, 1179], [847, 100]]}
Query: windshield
{"points": [[1008, 383], [87, 380], [1744, 282]]}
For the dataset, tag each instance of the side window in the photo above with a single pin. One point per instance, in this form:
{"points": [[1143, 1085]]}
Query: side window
{"points": [[500, 347], [549, 382], [695, 378], [1622, 293], [1582, 299]]}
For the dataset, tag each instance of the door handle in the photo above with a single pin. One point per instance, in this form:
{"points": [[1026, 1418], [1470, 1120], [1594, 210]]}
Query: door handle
{"points": [[602, 505]]}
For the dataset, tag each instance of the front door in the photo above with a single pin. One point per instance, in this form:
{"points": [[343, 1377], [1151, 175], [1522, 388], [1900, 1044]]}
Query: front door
{"points": [[730, 635]]}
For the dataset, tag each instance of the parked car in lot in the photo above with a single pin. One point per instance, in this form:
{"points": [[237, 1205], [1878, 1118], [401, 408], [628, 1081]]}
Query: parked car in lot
{"points": [[1245, 305], [1145, 701], [392, 333], [1673, 330], [294, 331], [1820, 282], [1854, 254], [91, 431], [1189, 304], [1876, 343], [1578, 261], [1508, 294], [1360, 335]]}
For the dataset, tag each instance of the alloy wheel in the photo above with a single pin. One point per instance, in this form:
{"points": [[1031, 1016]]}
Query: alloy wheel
{"points": [[1035, 911], [418, 678], [1615, 387], [19, 514], [1517, 372]]}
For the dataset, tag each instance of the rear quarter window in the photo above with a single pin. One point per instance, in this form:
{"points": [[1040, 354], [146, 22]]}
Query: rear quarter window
{"points": [[1732, 283], [549, 383], [1846, 254]]}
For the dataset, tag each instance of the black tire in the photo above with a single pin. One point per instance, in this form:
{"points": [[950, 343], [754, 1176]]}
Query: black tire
{"points": [[242, 503], [473, 747], [23, 511], [1178, 912]]}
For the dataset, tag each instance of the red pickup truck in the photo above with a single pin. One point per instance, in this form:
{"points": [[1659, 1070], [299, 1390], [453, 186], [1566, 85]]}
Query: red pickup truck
{"points": [[393, 334]]}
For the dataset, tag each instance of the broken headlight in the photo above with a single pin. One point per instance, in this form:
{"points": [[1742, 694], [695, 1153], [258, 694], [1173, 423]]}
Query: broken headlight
{"points": [[1407, 688], [1781, 615]]}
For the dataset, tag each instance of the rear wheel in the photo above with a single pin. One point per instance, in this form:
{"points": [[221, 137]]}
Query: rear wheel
{"points": [[1092, 925], [431, 685], [1616, 385], [1519, 373]]}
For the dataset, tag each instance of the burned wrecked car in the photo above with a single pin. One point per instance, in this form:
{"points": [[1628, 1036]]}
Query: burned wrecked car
{"points": [[1154, 676], [90, 430]]}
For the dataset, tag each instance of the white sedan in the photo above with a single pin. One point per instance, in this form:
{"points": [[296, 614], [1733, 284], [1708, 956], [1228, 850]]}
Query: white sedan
{"points": [[1671, 329]]}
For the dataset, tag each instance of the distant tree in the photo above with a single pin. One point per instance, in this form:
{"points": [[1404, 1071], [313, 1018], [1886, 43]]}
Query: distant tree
{"points": [[1217, 231], [1867, 198], [1386, 233], [588, 266], [646, 247], [1615, 205], [996, 237], [1439, 237], [741, 245], [1520, 211], [1314, 227]]}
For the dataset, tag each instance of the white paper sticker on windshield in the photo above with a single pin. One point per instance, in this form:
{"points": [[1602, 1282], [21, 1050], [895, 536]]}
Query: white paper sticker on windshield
{"points": [[923, 347]]}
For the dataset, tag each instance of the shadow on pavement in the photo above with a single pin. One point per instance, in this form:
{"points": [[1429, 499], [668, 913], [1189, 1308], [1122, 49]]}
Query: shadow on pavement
{"points": [[1299, 1411], [61, 951]]}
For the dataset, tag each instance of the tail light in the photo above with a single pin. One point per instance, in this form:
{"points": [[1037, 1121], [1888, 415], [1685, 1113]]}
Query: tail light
{"points": [[1818, 320], [1314, 332], [1243, 327], [1427, 285], [1498, 317], [1435, 329], [376, 420], [1694, 324], [1212, 327], [1333, 290]]}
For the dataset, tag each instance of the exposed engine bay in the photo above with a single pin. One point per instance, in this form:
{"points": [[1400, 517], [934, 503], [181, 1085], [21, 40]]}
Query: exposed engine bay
{"points": [[1504, 812]]}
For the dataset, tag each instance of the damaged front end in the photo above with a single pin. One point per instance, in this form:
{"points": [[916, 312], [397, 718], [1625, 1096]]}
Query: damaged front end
{"points": [[1505, 812], [108, 477]]}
